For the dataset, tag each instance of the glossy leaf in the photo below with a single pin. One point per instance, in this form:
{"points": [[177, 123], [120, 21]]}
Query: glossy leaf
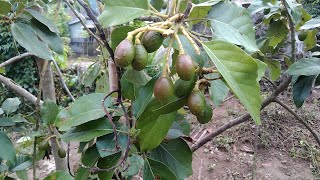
{"points": [[59, 175], [154, 170], [102, 84], [306, 67], [311, 40], [25, 35], [119, 34], [240, 71], [135, 163], [91, 74], [313, 23], [7, 149], [302, 89], [89, 158], [144, 97], [177, 155], [23, 162], [11, 105], [49, 112], [274, 68], [157, 4], [136, 77], [84, 109], [23, 175], [129, 9], [1, 111], [88, 131], [257, 5], [234, 25], [45, 21], [218, 91], [201, 10], [6, 121], [108, 162], [5, 7], [51, 39], [153, 129]]}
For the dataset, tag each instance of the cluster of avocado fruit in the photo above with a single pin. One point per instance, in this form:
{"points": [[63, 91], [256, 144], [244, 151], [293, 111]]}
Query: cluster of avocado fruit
{"points": [[127, 53]]}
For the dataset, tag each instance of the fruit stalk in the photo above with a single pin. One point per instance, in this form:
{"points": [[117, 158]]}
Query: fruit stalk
{"points": [[195, 46], [146, 28], [166, 70], [181, 50]]}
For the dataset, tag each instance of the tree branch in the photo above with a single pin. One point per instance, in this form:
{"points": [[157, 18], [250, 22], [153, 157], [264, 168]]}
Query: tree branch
{"points": [[16, 58], [63, 83], [314, 133], [19, 90], [283, 86], [188, 9]]}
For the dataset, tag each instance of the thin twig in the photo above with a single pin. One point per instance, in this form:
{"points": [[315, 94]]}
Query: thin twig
{"points": [[83, 23], [16, 58], [269, 81], [111, 119], [314, 133], [63, 83], [188, 9], [68, 160]]}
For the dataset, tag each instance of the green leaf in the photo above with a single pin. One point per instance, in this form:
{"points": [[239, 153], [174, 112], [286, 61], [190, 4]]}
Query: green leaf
{"points": [[276, 34], [135, 163], [89, 158], [7, 149], [23, 175], [6, 121], [5, 7], [153, 129], [256, 6], [313, 23], [306, 67], [129, 9], [234, 25], [302, 89], [218, 91], [119, 34], [91, 74], [49, 112], [311, 40], [144, 97], [23, 162], [154, 170], [11, 105], [157, 4], [88, 131], [25, 35], [136, 77], [274, 68], [1, 111], [108, 162], [201, 10], [52, 40], [84, 109], [106, 144], [240, 72], [177, 155], [45, 21], [59, 175]]}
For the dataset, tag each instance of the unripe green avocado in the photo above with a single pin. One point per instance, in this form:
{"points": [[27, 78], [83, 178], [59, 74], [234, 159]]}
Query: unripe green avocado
{"points": [[303, 35], [43, 145], [197, 103], [182, 88], [206, 116], [266, 11], [124, 53], [185, 67], [62, 153], [163, 89], [152, 41], [140, 59]]}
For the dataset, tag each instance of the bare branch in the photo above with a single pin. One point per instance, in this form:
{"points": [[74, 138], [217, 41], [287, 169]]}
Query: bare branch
{"points": [[314, 133], [272, 83], [16, 58], [188, 9], [19, 90], [282, 87], [150, 18], [63, 83]]}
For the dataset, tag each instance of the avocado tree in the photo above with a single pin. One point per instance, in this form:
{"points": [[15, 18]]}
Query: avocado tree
{"points": [[137, 125]]}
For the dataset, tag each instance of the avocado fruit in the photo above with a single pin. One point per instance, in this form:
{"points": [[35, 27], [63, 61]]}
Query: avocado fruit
{"points": [[206, 116], [163, 89], [140, 59], [197, 103], [183, 88], [124, 53], [152, 41], [185, 67]]}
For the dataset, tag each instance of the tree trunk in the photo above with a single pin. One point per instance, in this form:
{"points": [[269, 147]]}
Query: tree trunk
{"points": [[48, 93], [113, 77]]}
